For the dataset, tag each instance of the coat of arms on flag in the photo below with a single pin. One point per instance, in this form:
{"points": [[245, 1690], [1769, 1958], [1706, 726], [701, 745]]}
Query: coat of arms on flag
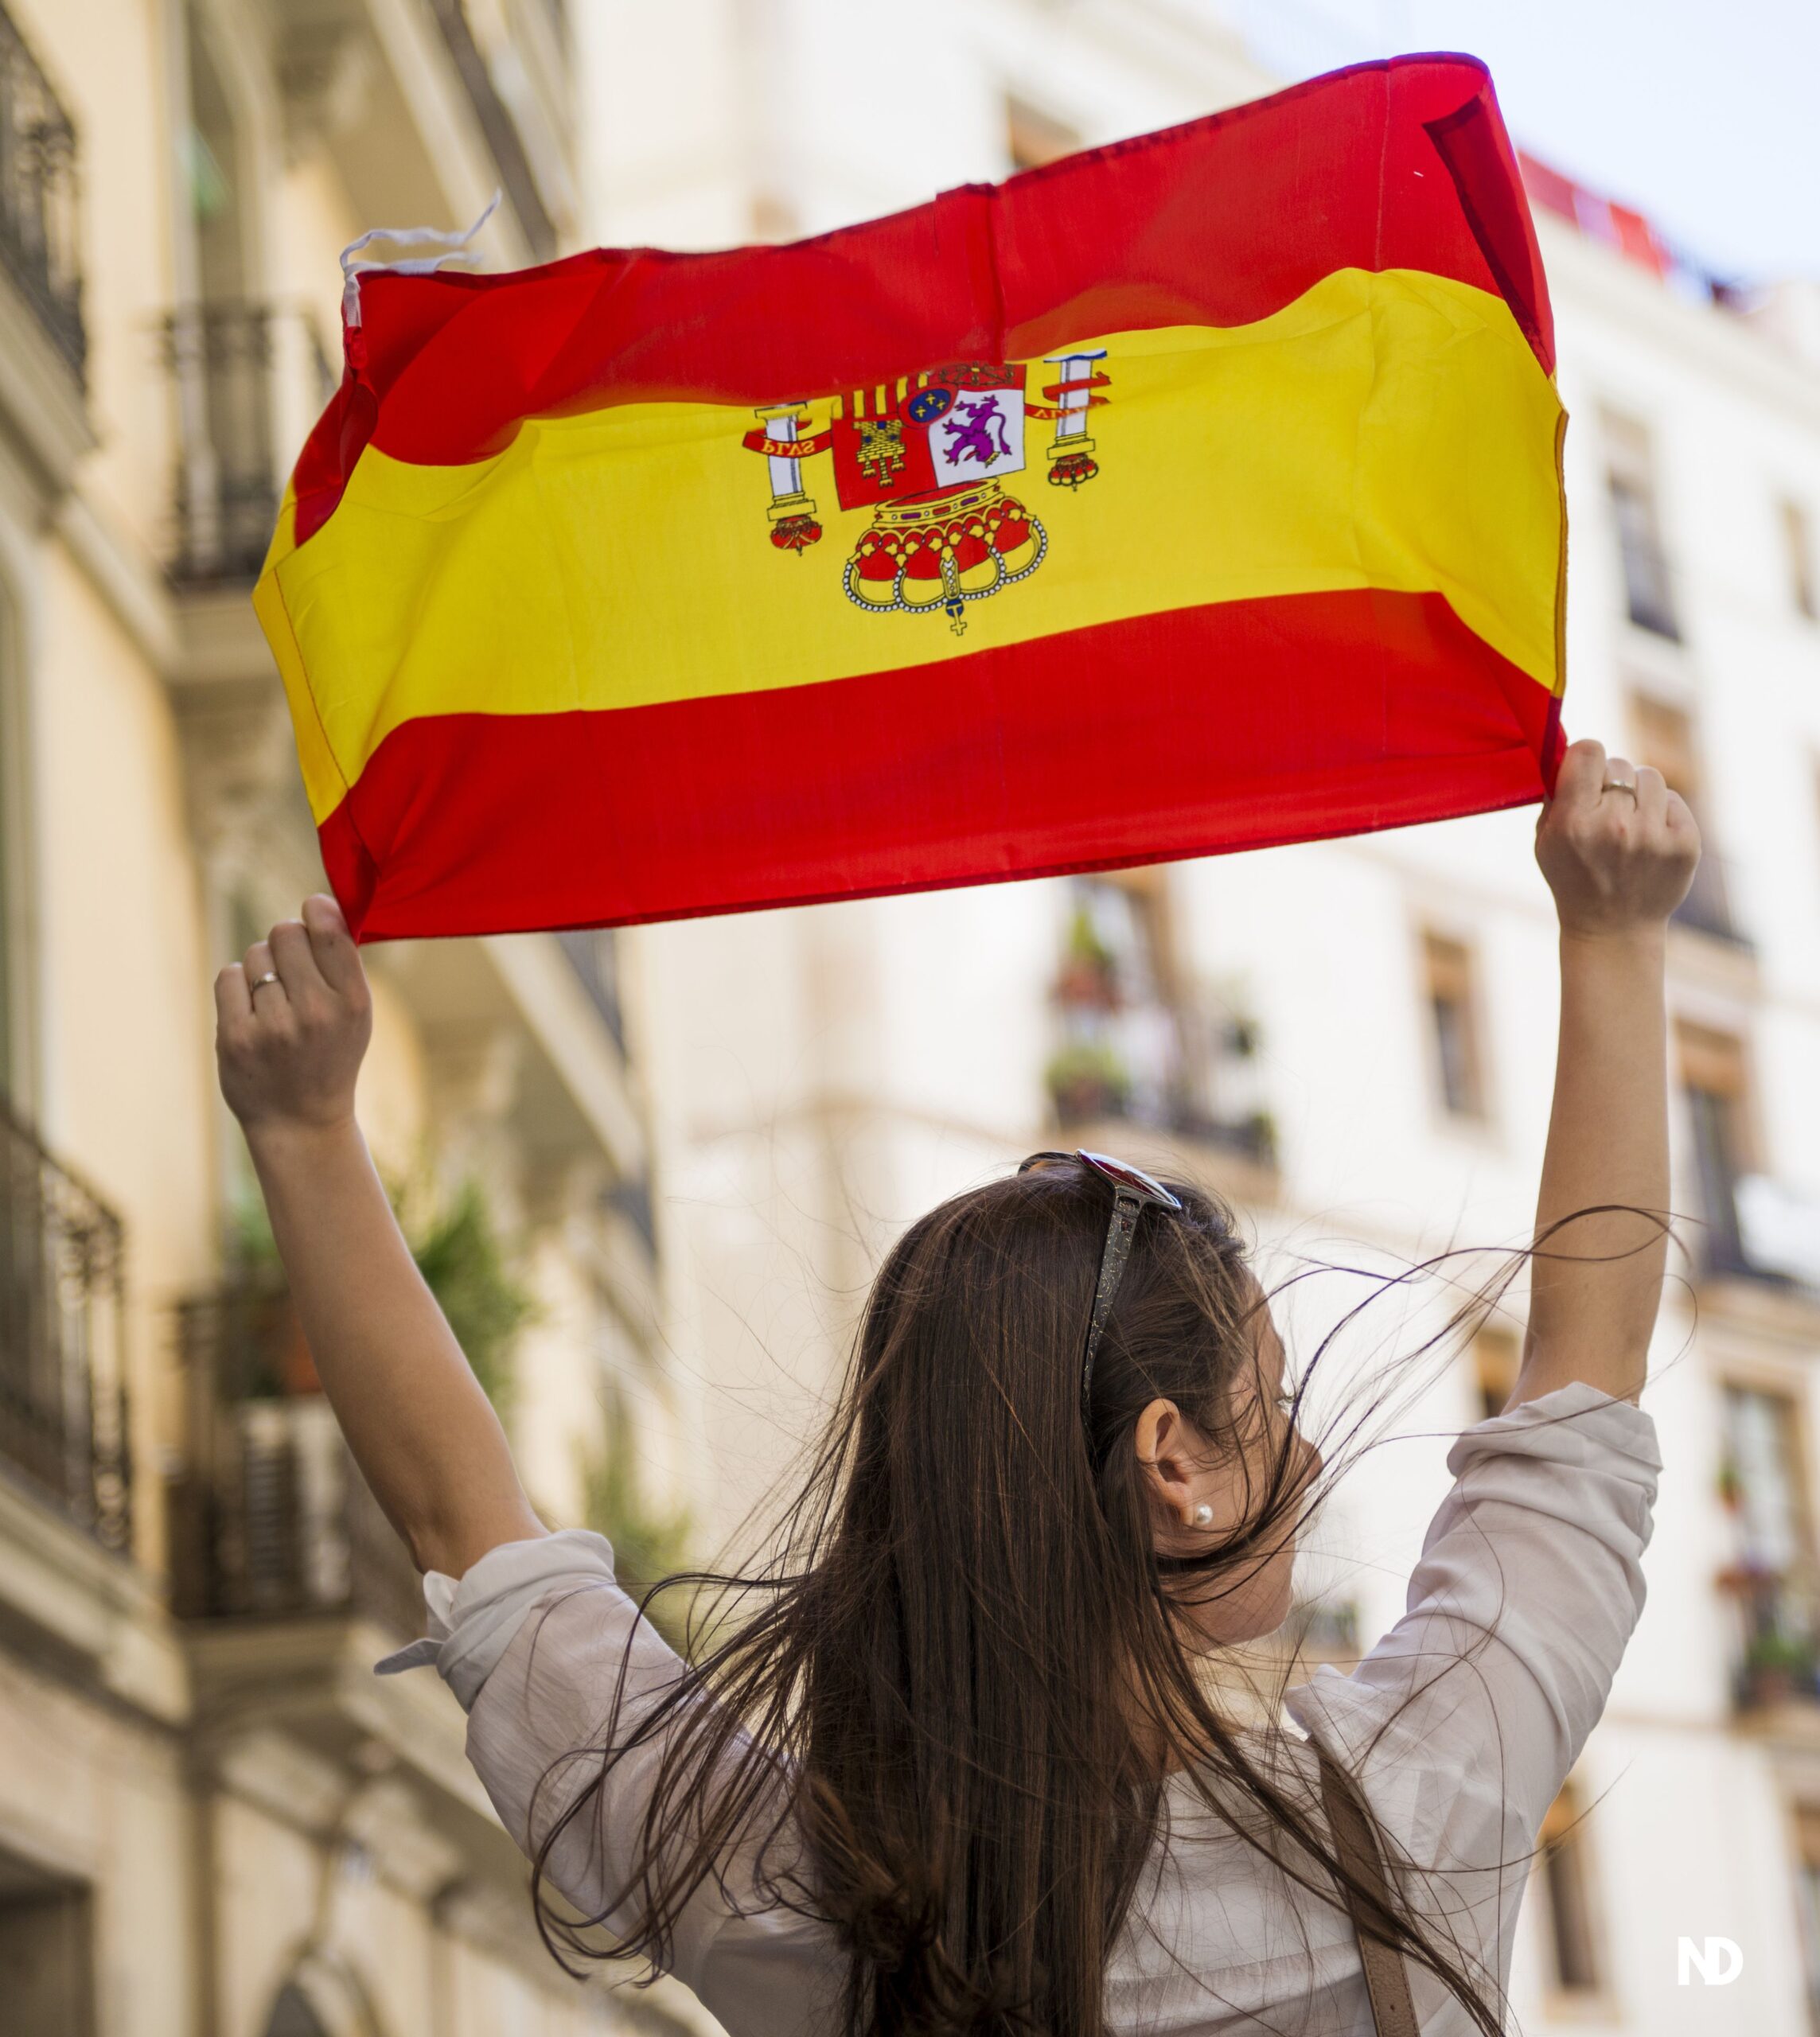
{"points": [[927, 454]]}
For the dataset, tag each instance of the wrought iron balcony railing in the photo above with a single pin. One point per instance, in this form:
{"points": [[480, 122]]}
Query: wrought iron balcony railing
{"points": [[1777, 1659], [1173, 1068], [233, 365], [62, 1402], [38, 225], [270, 1519]]}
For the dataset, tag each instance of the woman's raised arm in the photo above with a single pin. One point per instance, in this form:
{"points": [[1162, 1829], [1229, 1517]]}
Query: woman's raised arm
{"points": [[292, 1024], [1619, 850]]}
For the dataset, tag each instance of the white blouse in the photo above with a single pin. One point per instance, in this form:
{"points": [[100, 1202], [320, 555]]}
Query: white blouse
{"points": [[1461, 1724]]}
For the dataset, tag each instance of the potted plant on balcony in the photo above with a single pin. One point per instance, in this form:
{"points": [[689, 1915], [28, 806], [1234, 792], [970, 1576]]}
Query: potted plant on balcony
{"points": [[1257, 1137], [1778, 1666], [463, 1261], [264, 1356], [1087, 1080], [458, 1251], [1089, 977]]}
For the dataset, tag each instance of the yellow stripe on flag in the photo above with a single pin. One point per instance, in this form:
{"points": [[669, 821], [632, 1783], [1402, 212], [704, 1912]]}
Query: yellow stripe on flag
{"points": [[1390, 430]]}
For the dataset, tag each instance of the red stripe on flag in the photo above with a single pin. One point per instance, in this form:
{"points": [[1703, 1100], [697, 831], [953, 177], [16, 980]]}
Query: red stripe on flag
{"points": [[1135, 741], [1400, 165]]}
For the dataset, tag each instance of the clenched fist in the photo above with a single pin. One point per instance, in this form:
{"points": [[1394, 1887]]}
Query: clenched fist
{"points": [[1619, 849], [292, 1023]]}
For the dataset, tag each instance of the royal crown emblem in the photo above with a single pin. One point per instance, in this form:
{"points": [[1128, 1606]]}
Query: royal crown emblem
{"points": [[928, 455]]}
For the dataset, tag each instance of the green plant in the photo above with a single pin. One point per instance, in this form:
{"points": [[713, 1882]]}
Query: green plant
{"points": [[1773, 1649], [459, 1252], [1090, 969], [649, 1545], [1087, 1079], [1242, 1037], [1260, 1130], [252, 1251], [1087, 944], [464, 1266]]}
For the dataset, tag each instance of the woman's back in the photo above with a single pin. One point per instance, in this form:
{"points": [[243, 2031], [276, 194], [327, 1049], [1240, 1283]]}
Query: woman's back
{"points": [[954, 1767], [1461, 1724]]}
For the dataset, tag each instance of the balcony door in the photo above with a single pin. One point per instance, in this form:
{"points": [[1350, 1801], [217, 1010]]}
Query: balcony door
{"points": [[220, 339]]}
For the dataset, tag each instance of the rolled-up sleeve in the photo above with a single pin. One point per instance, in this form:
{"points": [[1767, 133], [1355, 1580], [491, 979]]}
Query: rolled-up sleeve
{"points": [[1464, 1720], [554, 1666]]}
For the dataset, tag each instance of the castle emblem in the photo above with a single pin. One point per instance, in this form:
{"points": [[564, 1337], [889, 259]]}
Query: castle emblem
{"points": [[928, 455]]}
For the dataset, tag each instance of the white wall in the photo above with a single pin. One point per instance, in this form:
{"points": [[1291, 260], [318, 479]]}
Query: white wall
{"points": [[819, 1077]]}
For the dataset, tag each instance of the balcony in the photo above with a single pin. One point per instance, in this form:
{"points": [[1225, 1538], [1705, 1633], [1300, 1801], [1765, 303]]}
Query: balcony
{"points": [[38, 194], [247, 378], [63, 1403], [1775, 1665], [271, 1520], [1179, 1071]]}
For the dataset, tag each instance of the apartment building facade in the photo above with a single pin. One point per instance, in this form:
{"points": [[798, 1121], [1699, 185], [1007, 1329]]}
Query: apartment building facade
{"points": [[214, 1822], [1353, 1041]]}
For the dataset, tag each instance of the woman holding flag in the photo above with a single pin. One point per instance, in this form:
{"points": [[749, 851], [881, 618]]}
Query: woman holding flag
{"points": [[959, 1761]]}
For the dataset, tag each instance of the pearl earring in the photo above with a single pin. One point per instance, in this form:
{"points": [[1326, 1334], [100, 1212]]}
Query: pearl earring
{"points": [[1203, 1515]]}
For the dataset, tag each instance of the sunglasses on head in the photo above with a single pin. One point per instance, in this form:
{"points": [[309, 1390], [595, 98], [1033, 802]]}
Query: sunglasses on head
{"points": [[1133, 1191]]}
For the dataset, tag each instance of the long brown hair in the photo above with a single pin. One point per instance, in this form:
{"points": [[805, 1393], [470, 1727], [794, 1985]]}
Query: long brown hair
{"points": [[944, 1713]]}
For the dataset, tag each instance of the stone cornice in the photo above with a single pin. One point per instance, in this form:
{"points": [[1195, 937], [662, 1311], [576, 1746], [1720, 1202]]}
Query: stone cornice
{"points": [[100, 1617], [1588, 279]]}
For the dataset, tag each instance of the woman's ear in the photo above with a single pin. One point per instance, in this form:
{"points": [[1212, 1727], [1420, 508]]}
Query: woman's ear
{"points": [[1165, 1444]]}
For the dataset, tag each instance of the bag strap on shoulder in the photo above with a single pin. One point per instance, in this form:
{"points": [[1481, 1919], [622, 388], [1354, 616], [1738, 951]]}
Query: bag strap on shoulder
{"points": [[1386, 1971]]}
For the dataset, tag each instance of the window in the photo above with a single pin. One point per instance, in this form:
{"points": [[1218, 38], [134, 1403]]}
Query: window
{"points": [[1768, 1493], [1448, 968], [1120, 1050], [1714, 1080], [1566, 1873], [1136, 1041], [1666, 740], [47, 1954], [1772, 1573], [1803, 573], [1497, 1356], [1033, 137], [1629, 476]]}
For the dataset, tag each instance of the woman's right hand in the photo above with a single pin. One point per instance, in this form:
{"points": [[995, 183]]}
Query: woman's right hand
{"points": [[292, 1024], [294, 1020], [1618, 849]]}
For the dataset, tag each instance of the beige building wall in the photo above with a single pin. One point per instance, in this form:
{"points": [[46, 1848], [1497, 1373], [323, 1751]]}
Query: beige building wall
{"points": [[214, 1821]]}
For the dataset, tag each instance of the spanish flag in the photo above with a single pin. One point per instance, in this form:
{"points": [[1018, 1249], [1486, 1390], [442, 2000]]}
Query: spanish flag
{"points": [[1193, 493]]}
